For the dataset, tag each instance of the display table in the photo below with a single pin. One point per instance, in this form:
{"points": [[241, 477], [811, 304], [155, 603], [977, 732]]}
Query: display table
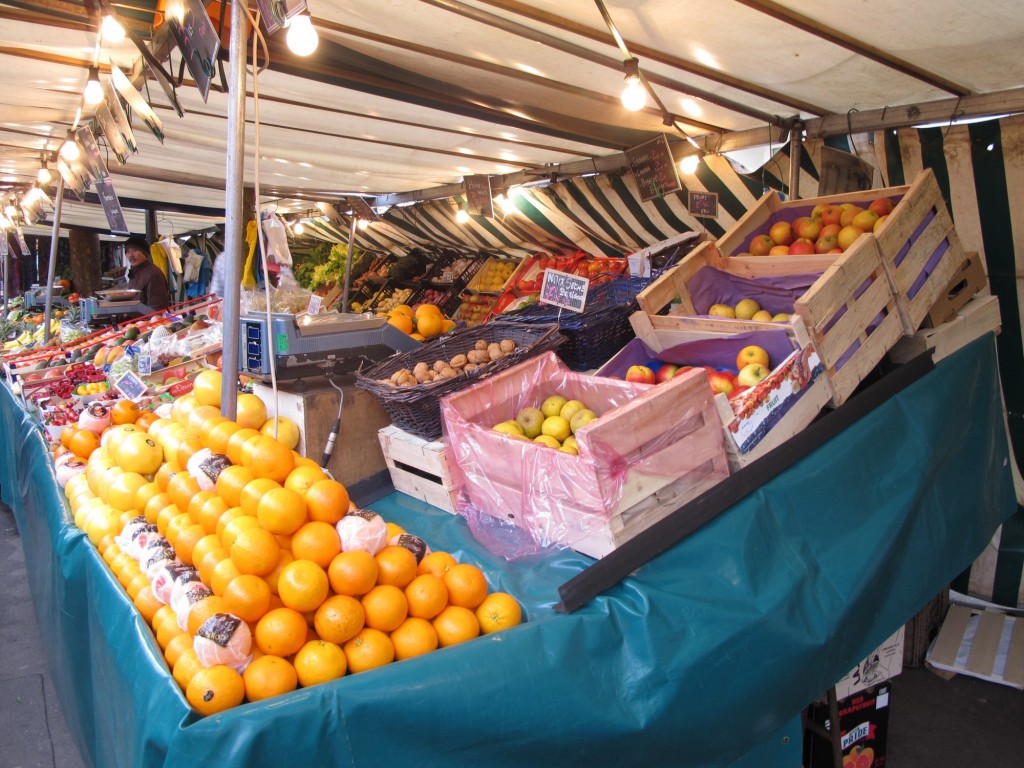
{"points": [[705, 656]]}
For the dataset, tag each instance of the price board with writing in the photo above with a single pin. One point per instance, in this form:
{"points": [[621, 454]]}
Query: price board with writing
{"points": [[478, 195], [564, 290], [111, 206], [704, 204], [199, 43], [654, 168], [130, 385]]}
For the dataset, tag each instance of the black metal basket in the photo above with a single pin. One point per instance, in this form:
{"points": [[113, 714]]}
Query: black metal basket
{"points": [[417, 409]]}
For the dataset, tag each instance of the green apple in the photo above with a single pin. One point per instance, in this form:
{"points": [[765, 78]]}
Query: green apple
{"points": [[552, 406], [722, 310], [747, 308], [510, 427], [530, 419], [571, 408], [581, 419]]}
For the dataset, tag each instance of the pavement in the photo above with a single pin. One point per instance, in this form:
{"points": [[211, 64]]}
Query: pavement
{"points": [[962, 722]]}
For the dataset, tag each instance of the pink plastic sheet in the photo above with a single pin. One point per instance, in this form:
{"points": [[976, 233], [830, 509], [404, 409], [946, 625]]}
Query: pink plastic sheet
{"points": [[646, 437]]}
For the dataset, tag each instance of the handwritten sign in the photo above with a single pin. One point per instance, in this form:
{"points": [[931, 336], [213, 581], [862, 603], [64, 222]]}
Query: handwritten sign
{"points": [[130, 385], [478, 195], [111, 206], [564, 290], [703, 204], [654, 168], [198, 42], [91, 157]]}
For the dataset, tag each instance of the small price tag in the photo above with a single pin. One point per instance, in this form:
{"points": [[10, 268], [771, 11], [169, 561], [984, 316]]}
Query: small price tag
{"points": [[145, 364], [130, 385], [564, 290], [314, 304], [703, 204]]}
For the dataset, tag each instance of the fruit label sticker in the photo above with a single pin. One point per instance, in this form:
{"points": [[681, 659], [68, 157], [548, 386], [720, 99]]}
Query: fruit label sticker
{"points": [[564, 290], [220, 628], [130, 385]]}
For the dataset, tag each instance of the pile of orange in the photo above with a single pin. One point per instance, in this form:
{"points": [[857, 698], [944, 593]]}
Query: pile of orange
{"points": [[424, 322], [263, 540]]}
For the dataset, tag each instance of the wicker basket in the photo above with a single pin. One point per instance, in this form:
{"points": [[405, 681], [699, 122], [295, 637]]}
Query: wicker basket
{"points": [[418, 409]]}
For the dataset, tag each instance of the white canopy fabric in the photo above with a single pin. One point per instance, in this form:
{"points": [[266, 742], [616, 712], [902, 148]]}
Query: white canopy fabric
{"points": [[404, 96]]}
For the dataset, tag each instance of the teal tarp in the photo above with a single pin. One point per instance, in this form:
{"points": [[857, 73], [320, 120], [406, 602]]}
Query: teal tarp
{"points": [[703, 657]]}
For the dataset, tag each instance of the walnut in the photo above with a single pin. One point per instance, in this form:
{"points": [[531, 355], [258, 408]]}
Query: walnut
{"points": [[448, 373], [494, 352], [476, 357], [419, 369], [458, 361], [423, 375], [507, 345], [440, 365], [481, 345], [470, 367]]}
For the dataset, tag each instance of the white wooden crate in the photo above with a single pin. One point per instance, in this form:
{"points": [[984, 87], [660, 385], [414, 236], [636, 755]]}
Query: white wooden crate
{"points": [[418, 467]]}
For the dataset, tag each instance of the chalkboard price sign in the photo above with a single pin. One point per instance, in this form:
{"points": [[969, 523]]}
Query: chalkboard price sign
{"points": [[703, 204], [198, 42], [478, 195], [654, 169], [564, 290], [130, 385]]}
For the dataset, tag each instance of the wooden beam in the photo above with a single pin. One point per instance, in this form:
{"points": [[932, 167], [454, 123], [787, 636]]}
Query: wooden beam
{"points": [[834, 36]]}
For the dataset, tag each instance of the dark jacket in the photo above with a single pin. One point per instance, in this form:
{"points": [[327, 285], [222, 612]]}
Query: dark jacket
{"points": [[148, 278]]}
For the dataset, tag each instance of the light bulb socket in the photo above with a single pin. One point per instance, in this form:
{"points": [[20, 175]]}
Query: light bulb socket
{"points": [[93, 90]]}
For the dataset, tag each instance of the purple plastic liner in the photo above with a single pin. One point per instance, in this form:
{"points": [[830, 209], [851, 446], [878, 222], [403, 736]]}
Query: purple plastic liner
{"points": [[718, 353], [776, 294]]}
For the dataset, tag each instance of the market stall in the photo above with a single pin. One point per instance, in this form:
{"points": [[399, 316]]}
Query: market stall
{"points": [[706, 654]]}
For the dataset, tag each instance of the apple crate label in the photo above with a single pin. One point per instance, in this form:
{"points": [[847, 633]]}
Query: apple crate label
{"points": [[564, 290], [130, 385]]}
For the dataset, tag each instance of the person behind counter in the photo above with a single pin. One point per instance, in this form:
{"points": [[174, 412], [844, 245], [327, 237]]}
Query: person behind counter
{"points": [[144, 275]]}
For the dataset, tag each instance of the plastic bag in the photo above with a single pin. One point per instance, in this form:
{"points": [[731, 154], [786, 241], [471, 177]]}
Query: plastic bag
{"points": [[289, 299]]}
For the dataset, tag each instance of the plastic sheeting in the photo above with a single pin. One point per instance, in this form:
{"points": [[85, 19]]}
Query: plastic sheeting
{"points": [[705, 656]]}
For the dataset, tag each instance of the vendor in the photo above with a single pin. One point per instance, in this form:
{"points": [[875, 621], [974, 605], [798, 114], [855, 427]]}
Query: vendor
{"points": [[144, 275]]}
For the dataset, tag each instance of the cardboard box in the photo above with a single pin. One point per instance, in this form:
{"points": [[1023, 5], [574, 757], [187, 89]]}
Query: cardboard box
{"points": [[881, 665], [863, 728], [986, 644]]}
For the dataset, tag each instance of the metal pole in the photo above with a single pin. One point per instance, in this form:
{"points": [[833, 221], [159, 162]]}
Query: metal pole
{"points": [[350, 261], [795, 151], [7, 268], [58, 205], [234, 219]]}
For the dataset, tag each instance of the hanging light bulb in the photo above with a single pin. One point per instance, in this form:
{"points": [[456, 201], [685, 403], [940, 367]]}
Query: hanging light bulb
{"points": [[302, 38], [34, 195], [93, 89], [634, 95], [507, 203], [461, 216], [69, 149], [111, 29], [299, 228], [688, 164], [10, 211], [363, 224], [44, 176]]}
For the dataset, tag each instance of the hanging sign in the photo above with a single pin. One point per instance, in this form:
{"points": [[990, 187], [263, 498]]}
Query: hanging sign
{"points": [[136, 102], [703, 204], [478, 195], [107, 126], [198, 41], [274, 14], [654, 168], [91, 157], [564, 290], [124, 126], [111, 206]]}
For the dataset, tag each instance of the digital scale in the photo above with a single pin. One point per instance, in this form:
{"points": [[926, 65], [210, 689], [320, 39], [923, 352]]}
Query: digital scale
{"points": [[108, 310], [315, 345], [35, 297]]}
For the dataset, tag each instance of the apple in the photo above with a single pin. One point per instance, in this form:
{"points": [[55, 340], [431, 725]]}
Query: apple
{"points": [[510, 427], [801, 247], [781, 233], [826, 243], [781, 317], [640, 374], [580, 420], [865, 221], [808, 229], [850, 212], [571, 408], [751, 374], [760, 245], [746, 308], [830, 229], [878, 224], [751, 354], [549, 441], [665, 372], [779, 250], [552, 405], [721, 381], [830, 214], [529, 420], [722, 310], [882, 206], [847, 236], [762, 316], [737, 391]]}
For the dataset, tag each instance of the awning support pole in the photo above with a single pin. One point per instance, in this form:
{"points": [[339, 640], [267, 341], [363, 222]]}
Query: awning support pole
{"points": [[795, 151], [350, 261], [51, 272]]}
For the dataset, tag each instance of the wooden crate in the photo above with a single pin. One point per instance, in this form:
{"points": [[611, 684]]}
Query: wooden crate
{"points": [[970, 280], [979, 316], [418, 467], [654, 449]]}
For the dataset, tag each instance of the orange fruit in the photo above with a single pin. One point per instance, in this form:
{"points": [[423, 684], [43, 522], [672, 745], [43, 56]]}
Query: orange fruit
{"points": [[66, 434], [175, 525], [209, 560], [182, 407], [196, 503], [316, 541], [167, 632], [370, 648], [339, 618], [281, 632], [280, 510], [186, 667], [83, 442], [221, 575], [136, 585], [386, 607], [455, 624], [268, 676], [402, 309], [233, 447], [234, 527], [250, 411], [121, 494], [200, 415], [201, 611], [395, 565], [248, 597], [144, 494], [185, 542], [302, 477], [155, 505], [147, 604], [282, 429], [165, 473], [401, 322], [177, 646], [319, 661], [163, 615], [138, 452], [429, 325], [145, 420], [272, 577], [186, 447], [215, 689], [498, 611], [467, 585], [394, 529], [255, 551], [209, 513], [230, 483], [353, 572], [437, 563], [206, 388], [303, 585], [182, 488], [253, 491], [414, 637], [217, 437], [327, 501], [204, 547], [165, 516], [427, 596], [267, 457], [124, 412], [226, 517]]}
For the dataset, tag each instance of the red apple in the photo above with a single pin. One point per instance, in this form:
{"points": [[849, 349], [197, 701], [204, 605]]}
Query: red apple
{"points": [[721, 381], [829, 229], [882, 206], [665, 372], [751, 354], [826, 243], [751, 374], [779, 250], [850, 212], [808, 229], [760, 245], [640, 374], [801, 247], [781, 233], [830, 214]]}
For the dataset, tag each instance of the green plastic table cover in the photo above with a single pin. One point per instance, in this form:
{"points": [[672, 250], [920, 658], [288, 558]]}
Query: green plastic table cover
{"points": [[703, 657]]}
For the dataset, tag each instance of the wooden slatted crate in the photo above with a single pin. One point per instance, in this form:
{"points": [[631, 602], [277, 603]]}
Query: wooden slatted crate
{"points": [[418, 467]]}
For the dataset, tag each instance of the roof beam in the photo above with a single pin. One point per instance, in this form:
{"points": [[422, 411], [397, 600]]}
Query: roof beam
{"points": [[834, 36]]}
